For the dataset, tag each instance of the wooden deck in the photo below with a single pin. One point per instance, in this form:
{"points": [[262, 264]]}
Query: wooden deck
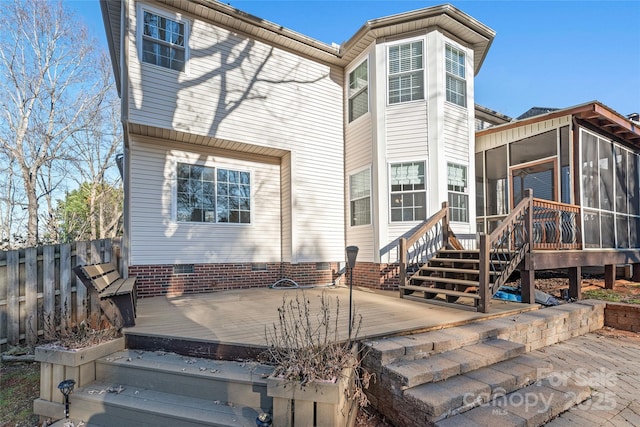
{"points": [[232, 323]]}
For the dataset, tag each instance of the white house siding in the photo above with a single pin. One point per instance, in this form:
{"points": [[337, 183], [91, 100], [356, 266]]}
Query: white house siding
{"points": [[406, 140], [239, 89], [156, 237], [456, 150], [358, 156]]}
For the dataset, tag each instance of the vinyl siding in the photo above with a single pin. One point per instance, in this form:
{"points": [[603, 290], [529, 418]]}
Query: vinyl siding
{"points": [[359, 140], [240, 90], [156, 238], [406, 131], [456, 135]]}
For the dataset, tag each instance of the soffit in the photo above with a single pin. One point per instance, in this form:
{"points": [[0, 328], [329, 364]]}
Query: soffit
{"points": [[271, 155]]}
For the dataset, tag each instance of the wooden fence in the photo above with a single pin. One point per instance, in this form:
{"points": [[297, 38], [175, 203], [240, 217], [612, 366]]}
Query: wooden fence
{"points": [[39, 291]]}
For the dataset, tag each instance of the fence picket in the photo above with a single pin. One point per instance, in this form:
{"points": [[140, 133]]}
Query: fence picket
{"points": [[31, 295], [81, 291], [49, 288], [66, 303], [40, 293], [13, 297]]}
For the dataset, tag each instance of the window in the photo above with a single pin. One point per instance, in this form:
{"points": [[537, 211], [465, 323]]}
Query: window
{"points": [[458, 197], [456, 84], [360, 197], [408, 192], [358, 91], [406, 75], [163, 41], [206, 194]]}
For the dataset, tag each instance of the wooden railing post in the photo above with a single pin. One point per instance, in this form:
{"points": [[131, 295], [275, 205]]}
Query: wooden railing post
{"points": [[527, 273], [403, 264], [445, 225], [483, 279]]}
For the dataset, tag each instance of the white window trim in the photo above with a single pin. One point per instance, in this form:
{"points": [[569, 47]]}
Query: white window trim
{"points": [[142, 7], [349, 175], [350, 97], [466, 192], [424, 70], [215, 165], [426, 189], [446, 74]]}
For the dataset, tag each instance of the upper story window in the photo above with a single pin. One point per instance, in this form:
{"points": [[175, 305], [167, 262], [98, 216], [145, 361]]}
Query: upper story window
{"points": [[408, 192], [456, 83], [207, 194], [163, 41], [406, 72], [360, 197], [359, 91]]}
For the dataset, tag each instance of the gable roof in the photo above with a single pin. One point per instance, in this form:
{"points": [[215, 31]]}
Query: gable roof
{"points": [[593, 113], [455, 22], [535, 111]]}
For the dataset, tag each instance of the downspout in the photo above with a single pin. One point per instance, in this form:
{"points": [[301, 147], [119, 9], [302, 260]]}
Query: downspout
{"points": [[124, 115]]}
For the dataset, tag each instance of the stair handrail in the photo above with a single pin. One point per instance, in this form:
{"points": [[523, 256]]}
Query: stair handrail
{"points": [[504, 249], [438, 226]]}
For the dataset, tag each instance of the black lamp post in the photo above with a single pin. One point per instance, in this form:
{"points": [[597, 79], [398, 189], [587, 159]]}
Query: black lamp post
{"points": [[352, 254], [66, 387]]}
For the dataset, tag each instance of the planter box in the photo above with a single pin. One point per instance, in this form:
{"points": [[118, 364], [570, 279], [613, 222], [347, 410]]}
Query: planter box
{"points": [[295, 405], [58, 364]]}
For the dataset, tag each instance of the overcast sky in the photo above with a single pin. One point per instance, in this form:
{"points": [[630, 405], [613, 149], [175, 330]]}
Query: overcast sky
{"points": [[545, 54]]}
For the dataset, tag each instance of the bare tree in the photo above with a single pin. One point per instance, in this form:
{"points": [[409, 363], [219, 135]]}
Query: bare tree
{"points": [[50, 89]]}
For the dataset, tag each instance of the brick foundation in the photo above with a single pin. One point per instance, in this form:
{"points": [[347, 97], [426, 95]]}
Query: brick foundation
{"points": [[375, 276], [622, 316], [155, 280]]}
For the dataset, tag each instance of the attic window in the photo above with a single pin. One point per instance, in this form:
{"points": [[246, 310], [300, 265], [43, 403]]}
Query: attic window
{"points": [[163, 41]]}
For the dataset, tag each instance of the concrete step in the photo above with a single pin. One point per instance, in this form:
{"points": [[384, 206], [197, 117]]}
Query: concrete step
{"points": [[441, 366], [464, 392], [108, 405], [242, 383], [531, 406]]}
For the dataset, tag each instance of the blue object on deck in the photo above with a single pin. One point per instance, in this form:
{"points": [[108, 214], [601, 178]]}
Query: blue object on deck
{"points": [[510, 293]]}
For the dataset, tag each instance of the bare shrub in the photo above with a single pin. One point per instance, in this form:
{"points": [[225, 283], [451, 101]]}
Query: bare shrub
{"points": [[306, 347]]}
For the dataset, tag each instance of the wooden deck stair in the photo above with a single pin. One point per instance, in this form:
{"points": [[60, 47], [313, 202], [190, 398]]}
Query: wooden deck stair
{"points": [[166, 389], [452, 273]]}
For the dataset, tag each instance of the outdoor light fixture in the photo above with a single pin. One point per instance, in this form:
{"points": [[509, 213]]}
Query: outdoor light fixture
{"points": [[352, 254], [263, 420], [66, 387]]}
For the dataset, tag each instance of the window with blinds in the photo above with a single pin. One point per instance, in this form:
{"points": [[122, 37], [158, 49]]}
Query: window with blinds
{"points": [[408, 192], [406, 72], [458, 197], [360, 197], [456, 84], [359, 91]]}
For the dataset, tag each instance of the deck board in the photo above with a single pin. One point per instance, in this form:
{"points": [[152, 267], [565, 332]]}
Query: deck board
{"points": [[240, 316]]}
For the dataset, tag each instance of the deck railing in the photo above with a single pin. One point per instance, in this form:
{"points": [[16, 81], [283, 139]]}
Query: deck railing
{"points": [[424, 243], [556, 225], [504, 249]]}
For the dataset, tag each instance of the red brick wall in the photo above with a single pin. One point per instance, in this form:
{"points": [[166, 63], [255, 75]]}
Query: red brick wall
{"points": [[375, 276], [154, 280]]}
